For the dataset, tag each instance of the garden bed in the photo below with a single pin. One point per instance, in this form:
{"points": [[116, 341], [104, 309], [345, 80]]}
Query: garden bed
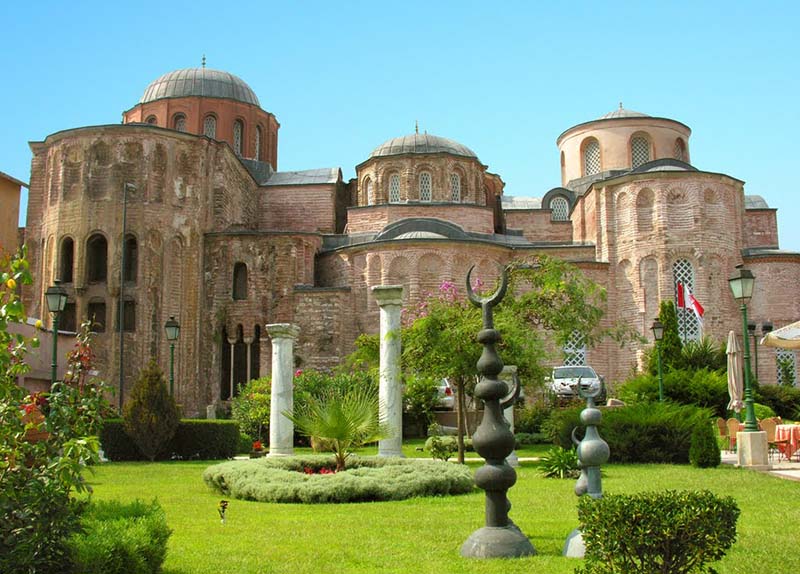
{"points": [[309, 479]]}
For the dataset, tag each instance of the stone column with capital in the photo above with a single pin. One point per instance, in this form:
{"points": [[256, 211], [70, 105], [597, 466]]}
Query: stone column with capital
{"points": [[389, 298], [281, 429]]}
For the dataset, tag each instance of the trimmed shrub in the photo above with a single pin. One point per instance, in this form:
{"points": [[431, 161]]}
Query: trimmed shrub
{"points": [[298, 479], [194, 438], [704, 451], [443, 447], [526, 439], [530, 418], [150, 416], [652, 432], [250, 408], [763, 411], [119, 538], [782, 399], [701, 388], [655, 532]]}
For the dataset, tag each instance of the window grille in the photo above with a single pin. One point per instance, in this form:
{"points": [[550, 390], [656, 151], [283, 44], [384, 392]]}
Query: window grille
{"points": [[97, 315], [370, 198], [680, 150], [257, 154], [688, 325], [640, 151], [591, 158], [210, 127], [786, 366], [455, 188], [180, 123], [559, 209], [152, 120], [575, 350], [425, 186], [237, 137], [394, 189]]}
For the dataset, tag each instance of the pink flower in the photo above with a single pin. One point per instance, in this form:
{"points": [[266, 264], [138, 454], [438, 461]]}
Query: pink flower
{"points": [[298, 372]]}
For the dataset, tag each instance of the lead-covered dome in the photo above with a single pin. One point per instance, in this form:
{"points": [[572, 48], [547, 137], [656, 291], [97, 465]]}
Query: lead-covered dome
{"points": [[622, 113], [203, 82], [421, 143]]}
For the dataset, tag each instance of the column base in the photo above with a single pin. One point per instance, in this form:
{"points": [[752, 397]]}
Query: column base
{"points": [[497, 542], [274, 453], [752, 450]]}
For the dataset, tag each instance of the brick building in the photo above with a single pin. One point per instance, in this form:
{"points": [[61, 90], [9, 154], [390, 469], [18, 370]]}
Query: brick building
{"points": [[188, 193]]}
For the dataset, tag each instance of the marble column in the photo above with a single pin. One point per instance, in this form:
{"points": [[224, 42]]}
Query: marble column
{"points": [[281, 429], [390, 301]]}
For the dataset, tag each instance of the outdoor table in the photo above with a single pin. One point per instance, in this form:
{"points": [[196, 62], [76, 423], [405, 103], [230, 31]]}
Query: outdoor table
{"points": [[790, 433]]}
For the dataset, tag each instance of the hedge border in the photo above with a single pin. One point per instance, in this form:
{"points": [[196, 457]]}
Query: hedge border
{"points": [[201, 439]]}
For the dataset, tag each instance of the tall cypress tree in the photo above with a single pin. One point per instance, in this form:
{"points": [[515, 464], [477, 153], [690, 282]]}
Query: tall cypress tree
{"points": [[150, 416], [671, 345]]}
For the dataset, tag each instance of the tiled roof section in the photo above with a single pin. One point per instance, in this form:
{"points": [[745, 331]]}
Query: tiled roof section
{"points": [[510, 203], [421, 143], [324, 175], [755, 202], [203, 82]]}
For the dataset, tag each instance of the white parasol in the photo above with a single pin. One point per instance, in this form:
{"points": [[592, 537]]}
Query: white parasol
{"points": [[787, 337], [735, 386]]}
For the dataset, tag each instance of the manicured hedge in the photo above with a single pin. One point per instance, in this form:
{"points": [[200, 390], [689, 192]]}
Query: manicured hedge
{"points": [[285, 479], [194, 439], [654, 532], [648, 432], [782, 399], [117, 538]]}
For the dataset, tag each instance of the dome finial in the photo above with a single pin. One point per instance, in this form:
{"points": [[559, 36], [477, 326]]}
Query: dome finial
{"points": [[620, 105], [203, 62], [416, 126]]}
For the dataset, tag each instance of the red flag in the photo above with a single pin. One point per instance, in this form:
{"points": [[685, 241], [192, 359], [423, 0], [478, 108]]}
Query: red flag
{"points": [[695, 305], [681, 299]]}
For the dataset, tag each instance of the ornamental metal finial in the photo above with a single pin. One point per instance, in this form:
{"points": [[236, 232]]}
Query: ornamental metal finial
{"points": [[494, 441], [203, 61], [416, 126]]}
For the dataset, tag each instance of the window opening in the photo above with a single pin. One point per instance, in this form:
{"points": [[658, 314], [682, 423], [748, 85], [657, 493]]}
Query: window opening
{"points": [[680, 150], [67, 260], [210, 127], [152, 120], [559, 209], [786, 366], [131, 260], [368, 185], [394, 189], [688, 326], [257, 153], [180, 122], [575, 350], [591, 158], [67, 320], [238, 129], [640, 151], [425, 186], [128, 316], [239, 281], [97, 315], [97, 259]]}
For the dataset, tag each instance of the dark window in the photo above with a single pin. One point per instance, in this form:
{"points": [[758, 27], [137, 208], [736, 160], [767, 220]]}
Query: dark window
{"points": [[128, 316], [67, 319], [67, 259], [131, 259], [97, 315], [152, 120], [225, 374], [96, 259], [239, 362], [255, 354], [240, 281]]}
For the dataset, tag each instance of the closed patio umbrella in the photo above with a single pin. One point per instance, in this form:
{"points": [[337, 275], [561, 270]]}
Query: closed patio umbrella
{"points": [[735, 385], [787, 337]]}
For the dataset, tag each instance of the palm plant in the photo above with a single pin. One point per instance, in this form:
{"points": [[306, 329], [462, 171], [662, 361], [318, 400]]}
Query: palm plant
{"points": [[341, 421]]}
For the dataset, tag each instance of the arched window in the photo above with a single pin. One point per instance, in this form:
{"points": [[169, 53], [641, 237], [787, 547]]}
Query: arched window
{"points": [[591, 157], [151, 120], [689, 328], [455, 188], [96, 259], [257, 151], [559, 209], [238, 131], [425, 186], [240, 281], [66, 260], [96, 313], [131, 259], [368, 191], [179, 122], [394, 188], [210, 127], [680, 150], [640, 151]]}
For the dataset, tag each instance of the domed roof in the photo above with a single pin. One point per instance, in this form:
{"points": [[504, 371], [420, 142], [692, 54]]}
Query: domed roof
{"points": [[421, 143], [203, 82], [622, 113]]}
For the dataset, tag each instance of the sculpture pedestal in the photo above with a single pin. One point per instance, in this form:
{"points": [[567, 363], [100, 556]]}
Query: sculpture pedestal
{"points": [[752, 450], [574, 546], [497, 542]]}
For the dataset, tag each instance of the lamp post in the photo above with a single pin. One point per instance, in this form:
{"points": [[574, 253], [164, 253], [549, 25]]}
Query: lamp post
{"points": [[658, 334], [741, 284], [173, 329], [56, 298], [751, 329]]}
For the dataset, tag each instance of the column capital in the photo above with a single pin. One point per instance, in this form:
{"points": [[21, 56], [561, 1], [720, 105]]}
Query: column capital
{"points": [[283, 330], [388, 294]]}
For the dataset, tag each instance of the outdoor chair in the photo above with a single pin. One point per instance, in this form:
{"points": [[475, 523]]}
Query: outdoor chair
{"points": [[722, 427], [769, 426], [733, 428]]}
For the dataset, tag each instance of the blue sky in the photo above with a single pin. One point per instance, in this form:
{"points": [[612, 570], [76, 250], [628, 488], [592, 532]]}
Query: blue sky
{"points": [[505, 79]]}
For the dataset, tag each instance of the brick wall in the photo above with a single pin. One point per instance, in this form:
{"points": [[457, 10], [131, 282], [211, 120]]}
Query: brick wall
{"points": [[375, 218], [537, 226], [761, 228]]}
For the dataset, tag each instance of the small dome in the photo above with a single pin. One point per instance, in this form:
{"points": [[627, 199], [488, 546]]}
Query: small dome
{"points": [[199, 82], [421, 143], [622, 113]]}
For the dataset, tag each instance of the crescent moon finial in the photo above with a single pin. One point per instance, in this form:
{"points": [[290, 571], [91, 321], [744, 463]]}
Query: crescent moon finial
{"points": [[495, 297]]}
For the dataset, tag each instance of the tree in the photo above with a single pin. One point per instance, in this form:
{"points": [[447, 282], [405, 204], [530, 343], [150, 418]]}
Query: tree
{"points": [[150, 416], [251, 407], [670, 346]]}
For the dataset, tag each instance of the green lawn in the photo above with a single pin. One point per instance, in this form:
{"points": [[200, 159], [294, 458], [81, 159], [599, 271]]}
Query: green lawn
{"points": [[424, 535]]}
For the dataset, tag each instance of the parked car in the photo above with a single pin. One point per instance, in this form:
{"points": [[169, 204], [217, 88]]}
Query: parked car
{"points": [[447, 395], [564, 382]]}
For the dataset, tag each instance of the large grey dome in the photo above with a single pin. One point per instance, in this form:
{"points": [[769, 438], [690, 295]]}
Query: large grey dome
{"points": [[199, 82], [622, 113], [421, 143]]}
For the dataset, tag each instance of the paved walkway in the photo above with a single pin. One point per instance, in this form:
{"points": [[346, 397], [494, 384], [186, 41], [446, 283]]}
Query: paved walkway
{"points": [[781, 468]]}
